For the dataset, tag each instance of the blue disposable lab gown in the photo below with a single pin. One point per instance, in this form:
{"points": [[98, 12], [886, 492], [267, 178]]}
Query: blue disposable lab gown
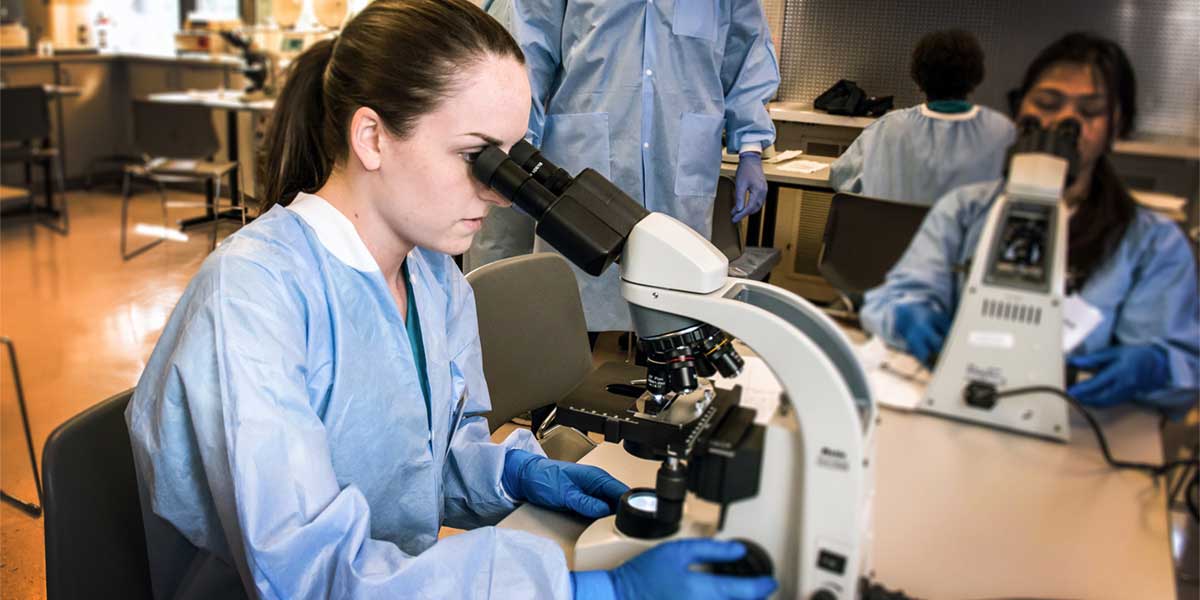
{"points": [[281, 437], [916, 155], [641, 91], [1146, 290]]}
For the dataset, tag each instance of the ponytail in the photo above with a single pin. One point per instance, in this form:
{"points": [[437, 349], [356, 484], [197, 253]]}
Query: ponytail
{"points": [[296, 159]]}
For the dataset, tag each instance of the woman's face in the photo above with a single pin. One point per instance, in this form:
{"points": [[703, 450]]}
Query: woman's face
{"points": [[432, 199], [1070, 91]]}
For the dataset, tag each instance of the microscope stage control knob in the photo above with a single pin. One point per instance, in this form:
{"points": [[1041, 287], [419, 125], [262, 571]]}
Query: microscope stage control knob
{"points": [[756, 562]]}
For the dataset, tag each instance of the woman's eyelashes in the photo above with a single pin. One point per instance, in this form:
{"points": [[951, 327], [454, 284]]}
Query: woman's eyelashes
{"points": [[470, 155]]}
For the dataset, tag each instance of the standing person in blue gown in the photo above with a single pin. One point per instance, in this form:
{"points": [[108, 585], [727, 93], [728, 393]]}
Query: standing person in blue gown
{"points": [[642, 92]]}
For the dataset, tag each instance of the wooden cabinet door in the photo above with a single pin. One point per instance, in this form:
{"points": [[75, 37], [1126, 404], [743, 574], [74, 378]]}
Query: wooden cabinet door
{"points": [[92, 127], [147, 78]]}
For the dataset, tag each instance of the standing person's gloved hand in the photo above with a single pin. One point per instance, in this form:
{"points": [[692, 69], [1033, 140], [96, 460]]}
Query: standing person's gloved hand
{"points": [[663, 572], [923, 328], [750, 180], [558, 485], [1121, 373]]}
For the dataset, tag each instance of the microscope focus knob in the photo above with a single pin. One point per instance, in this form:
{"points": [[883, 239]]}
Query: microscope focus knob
{"points": [[756, 562]]}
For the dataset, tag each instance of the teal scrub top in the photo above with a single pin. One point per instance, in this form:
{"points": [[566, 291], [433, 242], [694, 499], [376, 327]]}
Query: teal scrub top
{"points": [[949, 106], [412, 324]]}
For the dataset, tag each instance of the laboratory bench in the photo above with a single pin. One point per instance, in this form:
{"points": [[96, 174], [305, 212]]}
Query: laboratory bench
{"points": [[1161, 169], [966, 511], [791, 114], [96, 123]]}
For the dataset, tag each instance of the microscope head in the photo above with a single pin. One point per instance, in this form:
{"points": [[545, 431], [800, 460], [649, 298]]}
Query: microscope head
{"points": [[587, 218]]}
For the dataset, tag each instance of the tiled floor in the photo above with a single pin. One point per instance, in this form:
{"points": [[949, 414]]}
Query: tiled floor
{"points": [[83, 322]]}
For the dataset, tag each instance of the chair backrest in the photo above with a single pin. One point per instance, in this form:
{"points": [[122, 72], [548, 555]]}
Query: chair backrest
{"points": [[864, 237], [532, 330], [183, 131], [725, 233], [24, 113], [95, 544]]}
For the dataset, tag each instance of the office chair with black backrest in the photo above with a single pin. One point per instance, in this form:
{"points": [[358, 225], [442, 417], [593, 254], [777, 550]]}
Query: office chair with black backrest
{"points": [[25, 136], [753, 262], [177, 142], [95, 544], [534, 339], [864, 237]]}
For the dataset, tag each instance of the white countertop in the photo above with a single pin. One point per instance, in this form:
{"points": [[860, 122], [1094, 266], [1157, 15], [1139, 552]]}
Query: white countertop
{"points": [[220, 99], [818, 179], [214, 60], [1158, 146], [803, 112]]}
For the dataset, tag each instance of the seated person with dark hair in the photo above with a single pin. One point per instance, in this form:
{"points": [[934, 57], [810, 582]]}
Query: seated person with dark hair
{"points": [[1132, 265], [917, 154]]}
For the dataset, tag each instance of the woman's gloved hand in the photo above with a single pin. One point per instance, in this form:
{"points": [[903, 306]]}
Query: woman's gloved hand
{"points": [[749, 181], [1121, 373], [664, 572], [923, 328], [558, 485]]}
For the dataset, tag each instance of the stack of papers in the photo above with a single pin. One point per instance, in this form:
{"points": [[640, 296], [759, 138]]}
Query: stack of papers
{"points": [[760, 389], [803, 166], [783, 156], [897, 380]]}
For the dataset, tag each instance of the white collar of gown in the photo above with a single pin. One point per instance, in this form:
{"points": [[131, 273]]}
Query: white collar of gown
{"points": [[335, 231]]}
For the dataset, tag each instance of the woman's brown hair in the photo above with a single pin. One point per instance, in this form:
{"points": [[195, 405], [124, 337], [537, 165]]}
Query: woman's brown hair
{"points": [[397, 57]]}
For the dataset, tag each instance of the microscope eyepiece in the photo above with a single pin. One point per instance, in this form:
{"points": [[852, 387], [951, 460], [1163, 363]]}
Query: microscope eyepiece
{"points": [[587, 218], [544, 172], [1059, 139], [496, 170]]}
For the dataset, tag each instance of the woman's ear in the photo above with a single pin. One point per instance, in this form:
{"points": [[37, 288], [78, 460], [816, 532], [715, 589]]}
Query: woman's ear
{"points": [[366, 131]]}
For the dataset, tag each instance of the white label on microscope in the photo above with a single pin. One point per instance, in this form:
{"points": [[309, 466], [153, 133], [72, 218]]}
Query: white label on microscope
{"points": [[990, 339]]}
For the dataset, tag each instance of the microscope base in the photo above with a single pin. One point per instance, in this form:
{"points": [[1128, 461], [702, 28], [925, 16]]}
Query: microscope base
{"points": [[602, 547]]}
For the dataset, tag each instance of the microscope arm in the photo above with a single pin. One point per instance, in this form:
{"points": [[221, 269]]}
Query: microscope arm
{"points": [[816, 469]]}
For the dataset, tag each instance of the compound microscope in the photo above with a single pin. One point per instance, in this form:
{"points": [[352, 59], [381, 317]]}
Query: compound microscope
{"points": [[797, 490], [1007, 331]]}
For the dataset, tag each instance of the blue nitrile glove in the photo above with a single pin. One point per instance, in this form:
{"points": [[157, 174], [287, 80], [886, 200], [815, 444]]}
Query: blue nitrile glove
{"points": [[923, 328], [750, 179], [558, 485], [663, 572], [1121, 373]]}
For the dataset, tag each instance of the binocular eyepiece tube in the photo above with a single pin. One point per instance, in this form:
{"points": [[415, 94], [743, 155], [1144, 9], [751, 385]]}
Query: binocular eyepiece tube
{"points": [[586, 217]]}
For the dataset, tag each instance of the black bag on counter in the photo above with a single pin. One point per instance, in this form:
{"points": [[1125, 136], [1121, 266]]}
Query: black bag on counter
{"points": [[877, 105], [846, 98]]}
